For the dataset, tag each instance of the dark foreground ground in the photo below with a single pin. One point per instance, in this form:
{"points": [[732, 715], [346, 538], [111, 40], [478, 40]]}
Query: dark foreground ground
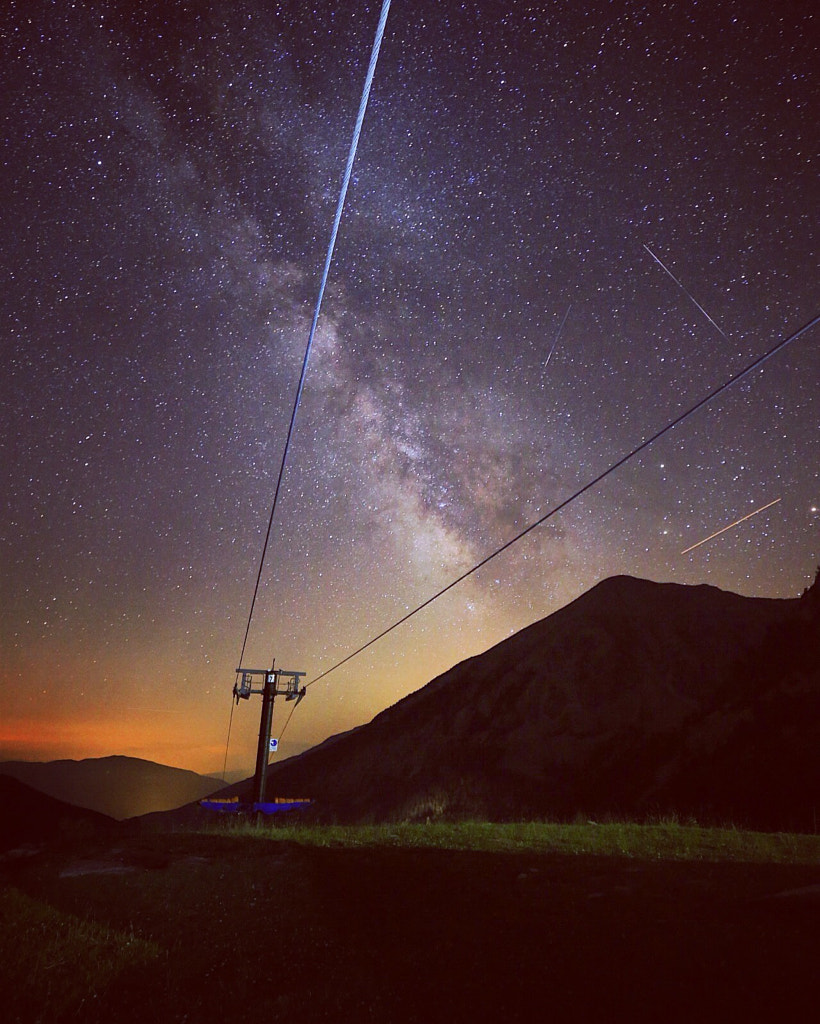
{"points": [[247, 929]]}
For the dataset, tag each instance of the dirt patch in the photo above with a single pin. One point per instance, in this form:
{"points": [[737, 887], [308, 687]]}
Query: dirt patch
{"points": [[806, 892], [94, 867]]}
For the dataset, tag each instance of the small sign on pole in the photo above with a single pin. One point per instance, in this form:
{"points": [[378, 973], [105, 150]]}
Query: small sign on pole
{"points": [[273, 744]]}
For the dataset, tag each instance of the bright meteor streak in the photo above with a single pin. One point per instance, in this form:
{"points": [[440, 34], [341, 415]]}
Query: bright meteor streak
{"points": [[737, 522]]}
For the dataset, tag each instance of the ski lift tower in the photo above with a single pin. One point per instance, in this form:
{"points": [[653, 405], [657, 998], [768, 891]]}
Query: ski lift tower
{"points": [[271, 683]]}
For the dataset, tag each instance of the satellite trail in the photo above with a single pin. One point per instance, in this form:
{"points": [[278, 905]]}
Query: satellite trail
{"points": [[684, 290], [557, 336], [737, 522]]}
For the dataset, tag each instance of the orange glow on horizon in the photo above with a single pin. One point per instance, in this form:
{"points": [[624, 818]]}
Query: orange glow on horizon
{"points": [[33, 739]]}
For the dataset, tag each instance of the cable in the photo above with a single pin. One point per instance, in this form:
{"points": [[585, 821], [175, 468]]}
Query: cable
{"points": [[227, 741], [592, 483], [287, 723], [374, 56]]}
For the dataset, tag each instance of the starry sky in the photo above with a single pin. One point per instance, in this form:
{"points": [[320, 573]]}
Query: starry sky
{"points": [[494, 335]]}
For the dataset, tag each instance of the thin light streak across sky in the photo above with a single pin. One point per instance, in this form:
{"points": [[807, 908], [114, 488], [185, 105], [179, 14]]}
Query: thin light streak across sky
{"points": [[557, 337], [731, 526], [684, 289]]}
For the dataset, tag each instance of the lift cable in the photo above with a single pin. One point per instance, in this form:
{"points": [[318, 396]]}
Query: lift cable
{"points": [[287, 723], [227, 742], [592, 483], [374, 56]]}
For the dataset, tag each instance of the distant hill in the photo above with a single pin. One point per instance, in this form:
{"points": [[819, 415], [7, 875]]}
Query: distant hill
{"points": [[120, 787], [638, 698], [29, 816]]}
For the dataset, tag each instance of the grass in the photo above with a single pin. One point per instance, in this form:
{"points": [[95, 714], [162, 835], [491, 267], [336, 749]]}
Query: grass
{"points": [[664, 840], [58, 960], [408, 923]]}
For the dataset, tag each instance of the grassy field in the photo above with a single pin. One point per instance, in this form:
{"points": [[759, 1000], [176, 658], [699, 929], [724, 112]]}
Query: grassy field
{"points": [[406, 923], [664, 840], [58, 960]]}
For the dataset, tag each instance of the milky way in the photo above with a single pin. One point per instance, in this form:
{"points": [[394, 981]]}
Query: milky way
{"points": [[169, 177]]}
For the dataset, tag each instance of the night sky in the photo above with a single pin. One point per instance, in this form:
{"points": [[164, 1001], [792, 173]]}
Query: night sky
{"points": [[169, 176]]}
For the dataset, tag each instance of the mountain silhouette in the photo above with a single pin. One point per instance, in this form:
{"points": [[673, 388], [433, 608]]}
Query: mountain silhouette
{"points": [[118, 786], [637, 699], [30, 816]]}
